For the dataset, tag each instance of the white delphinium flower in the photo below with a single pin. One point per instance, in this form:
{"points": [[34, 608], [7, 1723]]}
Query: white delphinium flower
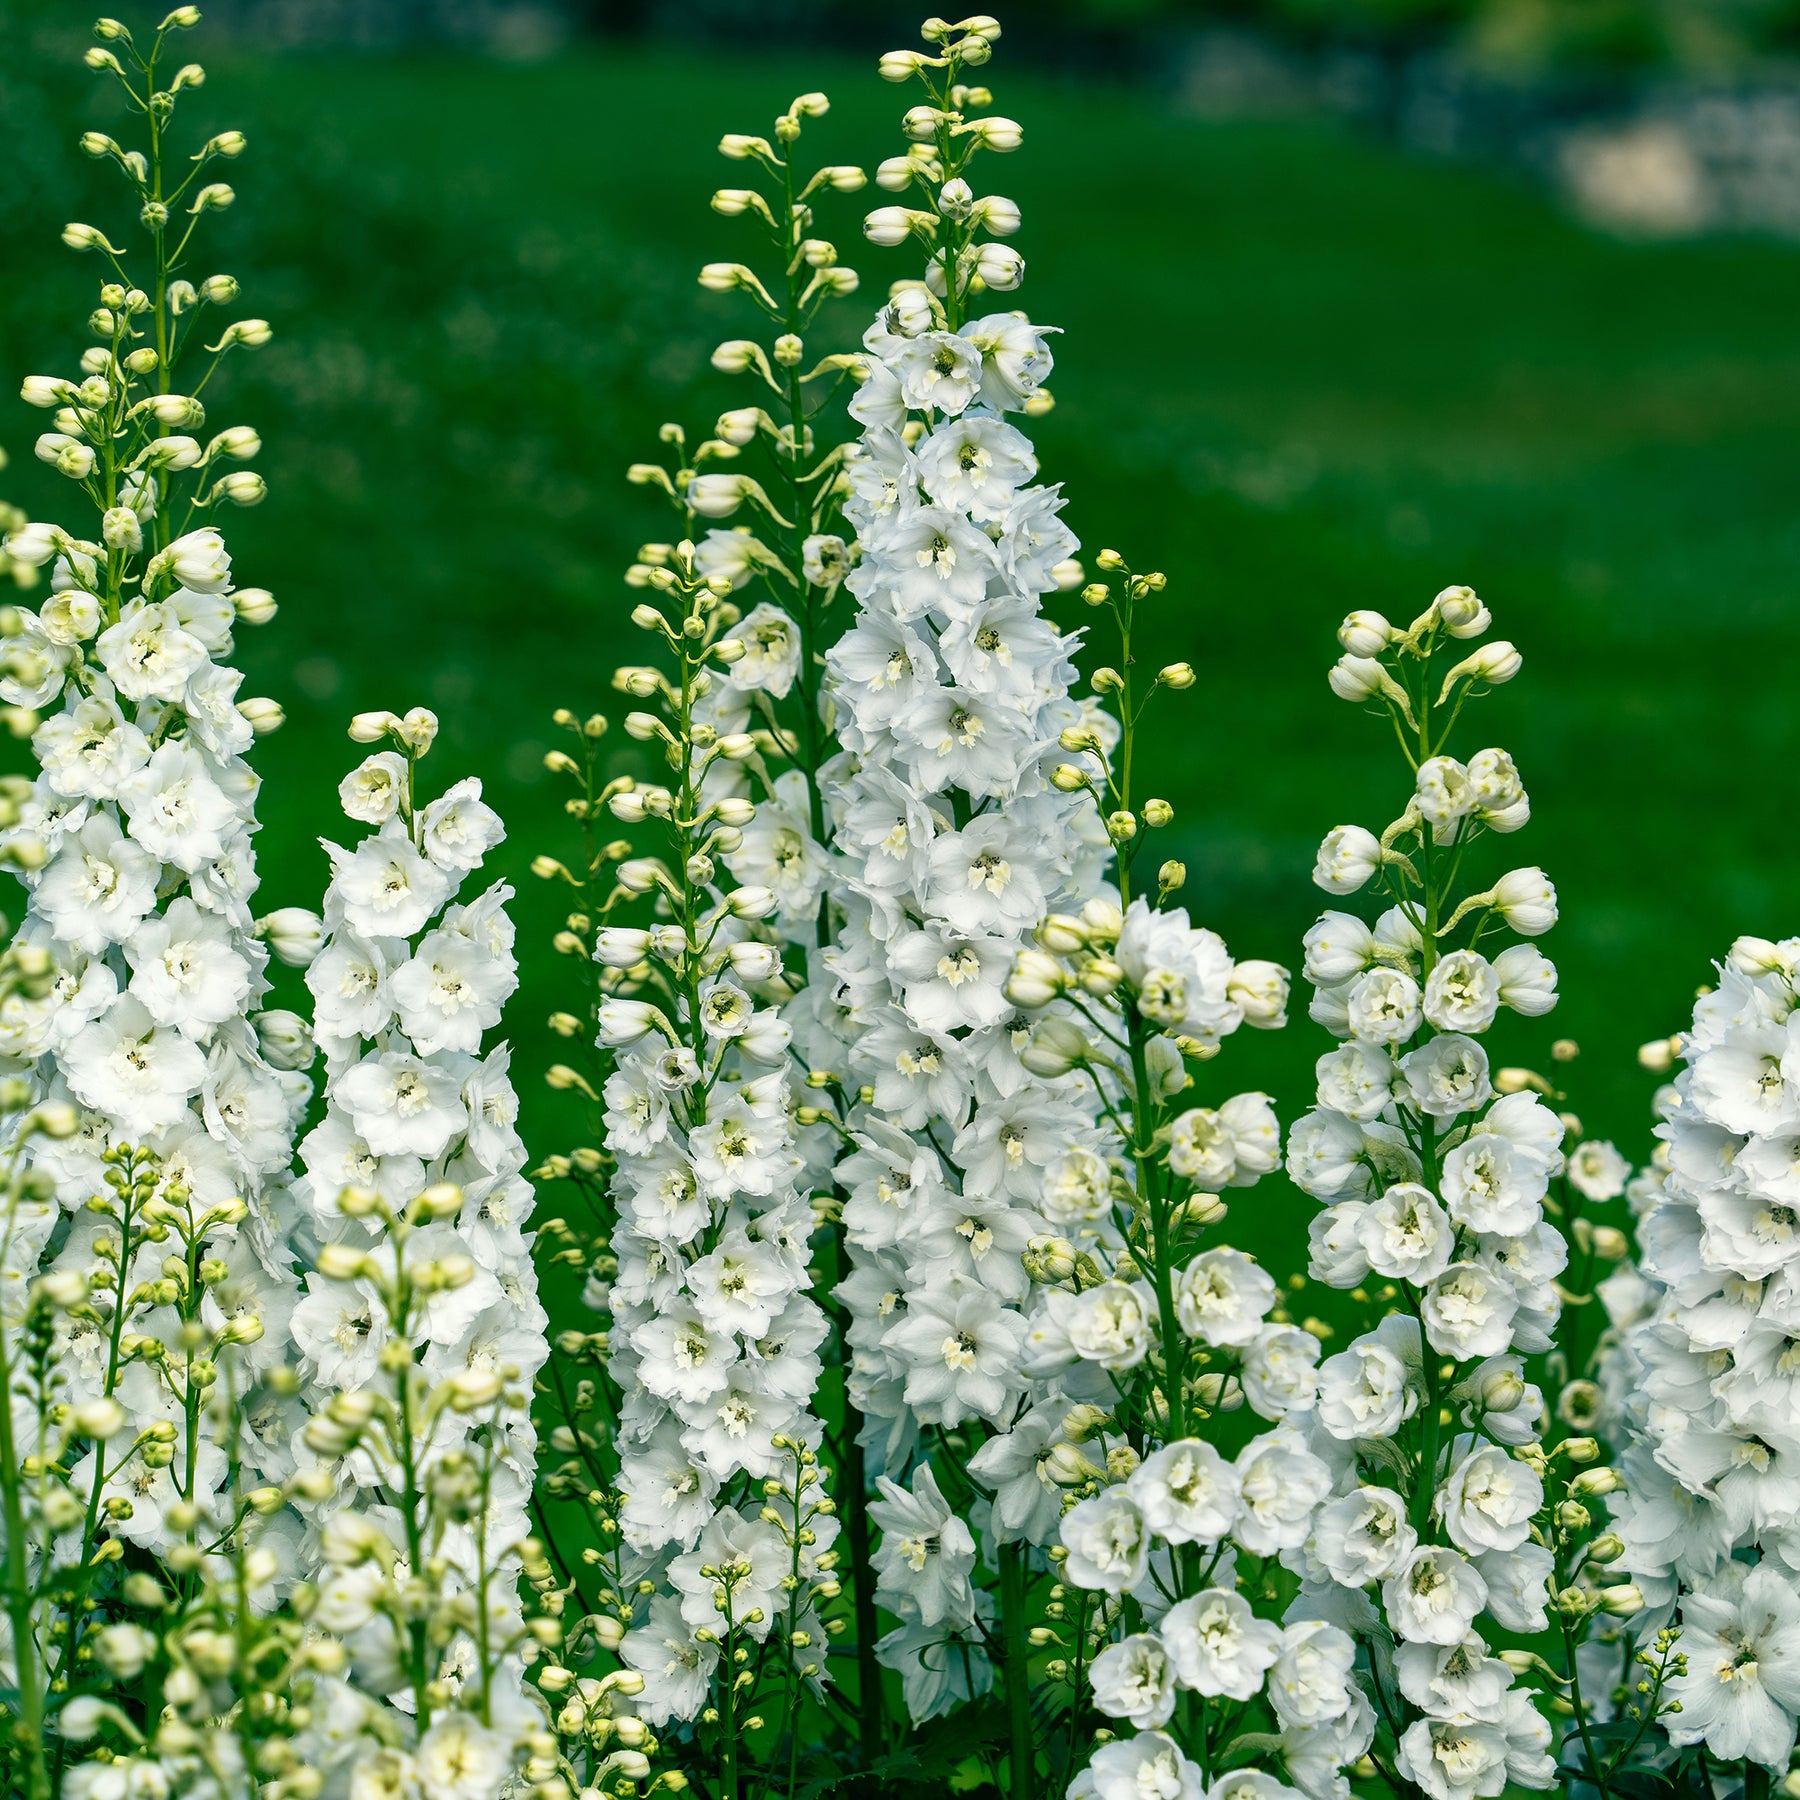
{"points": [[414, 1188]]}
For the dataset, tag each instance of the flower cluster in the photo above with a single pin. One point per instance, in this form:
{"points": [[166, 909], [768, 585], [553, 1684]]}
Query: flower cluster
{"points": [[951, 693], [1708, 1369], [1435, 1170], [152, 1097], [420, 1331]]}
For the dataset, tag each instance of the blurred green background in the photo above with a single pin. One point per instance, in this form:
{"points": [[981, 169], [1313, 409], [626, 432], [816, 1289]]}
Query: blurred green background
{"points": [[1302, 372]]}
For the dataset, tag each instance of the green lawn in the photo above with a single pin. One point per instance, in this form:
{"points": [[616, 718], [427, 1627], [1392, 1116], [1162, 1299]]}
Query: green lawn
{"points": [[1301, 372]]}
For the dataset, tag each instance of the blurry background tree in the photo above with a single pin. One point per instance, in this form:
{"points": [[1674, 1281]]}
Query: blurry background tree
{"points": [[1308, 370]]}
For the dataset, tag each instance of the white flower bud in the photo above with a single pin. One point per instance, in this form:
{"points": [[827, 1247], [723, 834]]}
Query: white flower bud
{"points": [[82, 1718], [1364, 634], [1036, 979], [100, 1419], [255, 606], [372, 727], [265, 715], [1348, 857], [1493, 663], [1357, 678], [887, 227], [1462, 613], [621, 946], [1000, 266], [718, 496], [1526, 900], [120, 529], [997, 215], [293, 935], [997, 134], [1056, 1047]]}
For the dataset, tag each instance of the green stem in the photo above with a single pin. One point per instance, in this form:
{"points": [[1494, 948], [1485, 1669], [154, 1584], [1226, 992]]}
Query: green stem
{"points": [[1023, 1744]]}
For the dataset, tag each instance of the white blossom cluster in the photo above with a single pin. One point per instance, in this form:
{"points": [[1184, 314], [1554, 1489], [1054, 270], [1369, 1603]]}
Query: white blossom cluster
{"points": [[135, 849], [420, 1329], [1433, 1188], [1709, 1519], [714, 1337], [952, 696]]}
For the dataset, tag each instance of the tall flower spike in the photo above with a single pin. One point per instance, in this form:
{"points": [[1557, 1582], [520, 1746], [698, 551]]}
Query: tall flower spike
{"points": [[150, 1117], [1456, 1505], [951, 691], [421, 1328], [746, 723]]}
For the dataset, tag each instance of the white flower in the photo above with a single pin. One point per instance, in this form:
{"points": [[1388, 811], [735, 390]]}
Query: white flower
{"points": [[1217, 1645], [449, 993], [962, 1348], [676, 1666], [771, 658], [1222, 1297], [1468, 1312], [459, 828], [138, 1072], [1453, 1680], [1597, 1170], [1280, 1371], [1149, 1766], [926, 1554], [1370, 1389], [1281, 1481], [147, 654], [983, 878], [1309, 1682], [1526, 900], [1356, 1080], [1363, 1536], [976, 465], [1347, 858], [1383, 1007], [1187, 1492], [1232, 1147], [1447, 1076], [90, 749], [186, 969], [1527, 980], [1489, 1501], [97, 887], [1339, 947], [177, 810], [1110, 1324], [349, 983], [1492, 1184], [386, 887], [939, 371], [1462, 992], [1108, 1542], [403, 1105], [1741, 1636], [1405, 1234], [1433, 1597], [459, 1758], [372, 792], [750, 1559], [1454, 1759], [1134, 1680]]}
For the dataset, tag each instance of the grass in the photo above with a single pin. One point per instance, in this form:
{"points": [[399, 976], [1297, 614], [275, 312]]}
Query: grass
{"points": [[1302, 373]]}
